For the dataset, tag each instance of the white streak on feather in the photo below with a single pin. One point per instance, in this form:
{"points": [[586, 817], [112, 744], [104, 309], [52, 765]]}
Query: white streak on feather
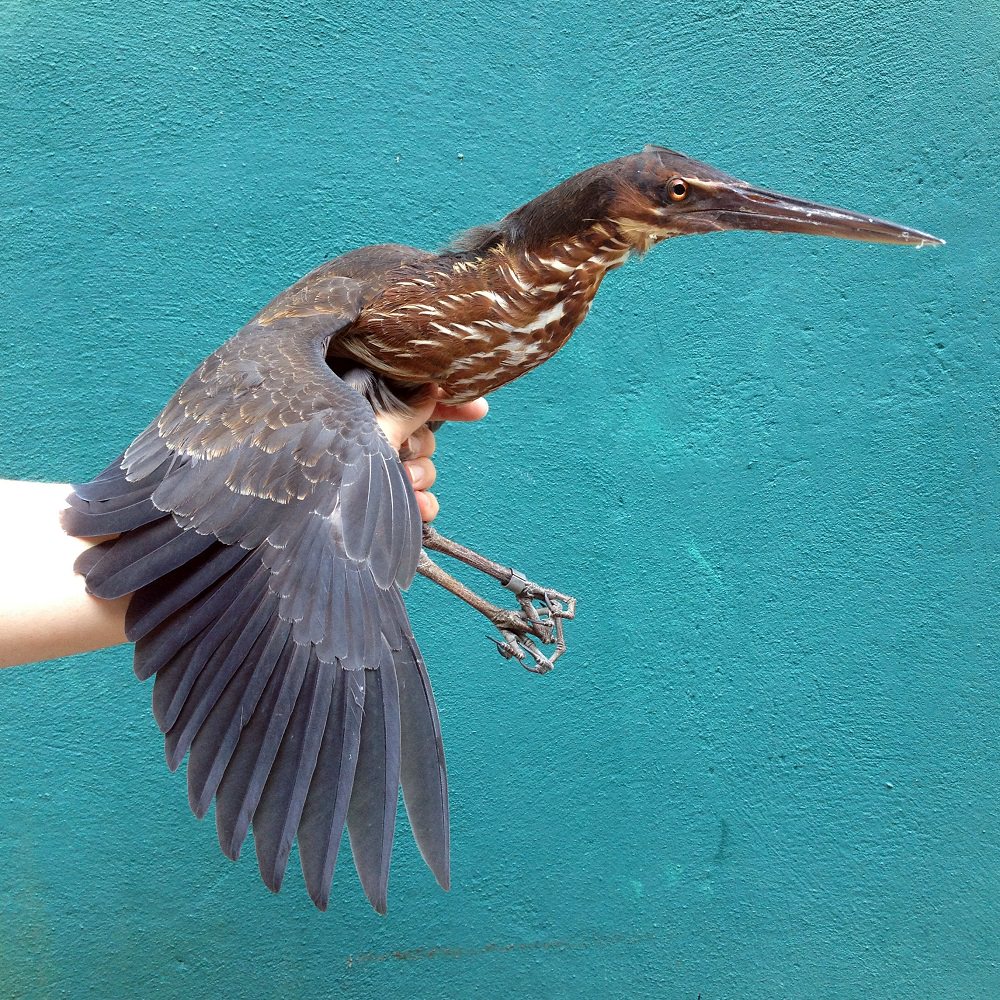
{"points": [[544, 318], [447, 330], [420, 307], [519, 281], [556, 264], [492, 296]]}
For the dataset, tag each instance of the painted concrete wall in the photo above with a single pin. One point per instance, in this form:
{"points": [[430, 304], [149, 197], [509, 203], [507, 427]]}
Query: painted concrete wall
{"points": [[766, 466]]}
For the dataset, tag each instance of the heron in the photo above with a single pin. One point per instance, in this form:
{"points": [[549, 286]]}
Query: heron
{"points": [[266, 529]]}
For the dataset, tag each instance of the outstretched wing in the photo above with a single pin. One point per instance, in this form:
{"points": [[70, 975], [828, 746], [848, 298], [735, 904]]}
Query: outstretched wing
{"points": [[265, 527]]}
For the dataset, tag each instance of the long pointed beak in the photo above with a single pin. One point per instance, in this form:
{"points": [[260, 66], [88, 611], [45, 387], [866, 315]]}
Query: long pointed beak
{"points": [[739, 207]]}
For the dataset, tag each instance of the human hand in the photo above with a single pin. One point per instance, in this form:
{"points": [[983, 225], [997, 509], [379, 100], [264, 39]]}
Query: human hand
{"points": [[414, 441]]}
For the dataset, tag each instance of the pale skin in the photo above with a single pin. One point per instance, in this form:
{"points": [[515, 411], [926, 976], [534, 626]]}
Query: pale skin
{"points": [[45, 610]]}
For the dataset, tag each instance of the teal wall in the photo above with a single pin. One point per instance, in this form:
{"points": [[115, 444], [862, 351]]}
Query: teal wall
{"points": [[766, 466]]}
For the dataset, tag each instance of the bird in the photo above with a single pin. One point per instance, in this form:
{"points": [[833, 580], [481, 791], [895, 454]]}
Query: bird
{"points": [[266, 529]]}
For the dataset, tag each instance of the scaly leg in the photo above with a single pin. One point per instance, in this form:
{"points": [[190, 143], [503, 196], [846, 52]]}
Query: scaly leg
{"points": [[544, 622]]}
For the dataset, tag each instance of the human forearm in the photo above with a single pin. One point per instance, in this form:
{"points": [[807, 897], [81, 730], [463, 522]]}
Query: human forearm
{"points": [[45, 610]]}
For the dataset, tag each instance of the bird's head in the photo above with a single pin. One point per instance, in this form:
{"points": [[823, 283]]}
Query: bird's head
{"points": [[658, 193]]}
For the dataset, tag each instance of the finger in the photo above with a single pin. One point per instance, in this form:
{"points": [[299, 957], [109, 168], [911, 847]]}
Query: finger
{"points": [[398, 428], [427, 504], [421, 472], [420, 444], [474, 410]]}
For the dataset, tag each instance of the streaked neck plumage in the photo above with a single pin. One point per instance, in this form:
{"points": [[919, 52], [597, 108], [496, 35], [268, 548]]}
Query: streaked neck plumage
{"points": [[474, 320]]}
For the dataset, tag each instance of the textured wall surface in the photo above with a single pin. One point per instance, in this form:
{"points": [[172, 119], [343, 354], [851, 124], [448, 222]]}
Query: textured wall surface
{"points": [[767, 466]]}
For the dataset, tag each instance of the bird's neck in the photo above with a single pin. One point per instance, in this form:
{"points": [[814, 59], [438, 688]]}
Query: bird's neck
{"points": [[567, 270], [471, 322]]}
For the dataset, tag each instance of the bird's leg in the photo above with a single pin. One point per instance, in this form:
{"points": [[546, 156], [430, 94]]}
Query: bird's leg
{"points": [[542, 610], [515, 627]]}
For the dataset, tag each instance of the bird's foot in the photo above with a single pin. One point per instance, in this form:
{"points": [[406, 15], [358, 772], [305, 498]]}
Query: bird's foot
{"points": [[540, 620]]}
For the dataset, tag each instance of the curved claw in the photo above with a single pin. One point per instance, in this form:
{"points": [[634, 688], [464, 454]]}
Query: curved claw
{"points": [[507, 649], [515, 646], [543, 664]]}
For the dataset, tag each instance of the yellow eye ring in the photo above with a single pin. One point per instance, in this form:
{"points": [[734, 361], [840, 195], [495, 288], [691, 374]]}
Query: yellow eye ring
{"points": [[677, 188]]}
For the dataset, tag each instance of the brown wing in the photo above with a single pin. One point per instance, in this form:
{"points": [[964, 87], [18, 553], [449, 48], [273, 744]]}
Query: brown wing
{"points": [[266, 528]]}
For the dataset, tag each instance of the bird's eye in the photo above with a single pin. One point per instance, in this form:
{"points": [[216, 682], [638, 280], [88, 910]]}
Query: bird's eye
{"points": [[677, 189]]}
